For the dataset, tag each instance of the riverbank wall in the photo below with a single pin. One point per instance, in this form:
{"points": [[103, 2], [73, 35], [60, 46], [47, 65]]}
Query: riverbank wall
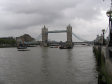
{"points": [[103, 56]]}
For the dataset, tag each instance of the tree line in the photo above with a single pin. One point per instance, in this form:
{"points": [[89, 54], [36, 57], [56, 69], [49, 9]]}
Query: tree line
{"points": [[8, 41]]}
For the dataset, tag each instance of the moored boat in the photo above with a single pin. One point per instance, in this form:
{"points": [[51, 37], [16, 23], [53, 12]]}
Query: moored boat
{"points": [[65, 47], [21, 46]]}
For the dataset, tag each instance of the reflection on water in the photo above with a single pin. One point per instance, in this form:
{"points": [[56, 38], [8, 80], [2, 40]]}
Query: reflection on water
{"points": [[48, 66], [69, 70], [44, 68]]}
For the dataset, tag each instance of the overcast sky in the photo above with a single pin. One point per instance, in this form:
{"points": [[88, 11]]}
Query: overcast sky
{"points": [[87, 17]]}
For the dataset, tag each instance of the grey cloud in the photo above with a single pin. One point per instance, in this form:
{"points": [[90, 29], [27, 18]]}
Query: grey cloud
{"points": [[24, 14], [36, 6]]}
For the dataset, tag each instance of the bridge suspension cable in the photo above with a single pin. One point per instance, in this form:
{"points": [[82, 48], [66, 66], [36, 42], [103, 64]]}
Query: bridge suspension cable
{"points": [[79, 37], [39, 37]]}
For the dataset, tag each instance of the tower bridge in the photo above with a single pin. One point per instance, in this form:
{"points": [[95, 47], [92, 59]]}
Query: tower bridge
{"points": [[68, 31]]}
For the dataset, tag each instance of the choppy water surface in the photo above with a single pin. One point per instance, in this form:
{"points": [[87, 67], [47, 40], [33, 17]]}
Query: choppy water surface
{"points": [[48, 66]]}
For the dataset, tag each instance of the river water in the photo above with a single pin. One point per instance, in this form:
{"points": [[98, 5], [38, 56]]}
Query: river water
{"points": [[48, 66]]}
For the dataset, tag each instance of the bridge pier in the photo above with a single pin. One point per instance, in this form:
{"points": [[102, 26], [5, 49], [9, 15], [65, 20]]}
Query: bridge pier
{"points": [[45, 36], [69, 36]]}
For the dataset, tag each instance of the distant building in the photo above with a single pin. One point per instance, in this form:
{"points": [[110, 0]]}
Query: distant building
{"points": [[25, 38]]}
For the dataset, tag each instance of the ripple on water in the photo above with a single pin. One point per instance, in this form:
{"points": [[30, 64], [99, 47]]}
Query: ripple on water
{"points": [[48, 66]]}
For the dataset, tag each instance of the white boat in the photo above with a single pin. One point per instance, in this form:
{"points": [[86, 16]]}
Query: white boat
{"points": [[54, 46]]}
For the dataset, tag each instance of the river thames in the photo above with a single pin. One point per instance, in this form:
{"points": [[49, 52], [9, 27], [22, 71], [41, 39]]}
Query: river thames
{"points": [[42, 65]]}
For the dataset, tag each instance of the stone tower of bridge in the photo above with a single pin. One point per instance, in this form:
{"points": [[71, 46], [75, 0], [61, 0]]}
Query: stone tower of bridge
{"points": [[44, 36], [69, 36]]}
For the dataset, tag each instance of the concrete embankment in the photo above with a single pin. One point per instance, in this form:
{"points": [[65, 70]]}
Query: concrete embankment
{"points": [[103, 56]]}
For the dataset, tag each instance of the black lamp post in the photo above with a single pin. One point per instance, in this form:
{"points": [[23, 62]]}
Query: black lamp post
{"points": [[103, 36], [109, 14]]}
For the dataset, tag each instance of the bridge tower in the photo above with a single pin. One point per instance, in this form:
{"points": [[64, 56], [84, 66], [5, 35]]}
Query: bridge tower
{"points": [[44, 36], [69, 36]]}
